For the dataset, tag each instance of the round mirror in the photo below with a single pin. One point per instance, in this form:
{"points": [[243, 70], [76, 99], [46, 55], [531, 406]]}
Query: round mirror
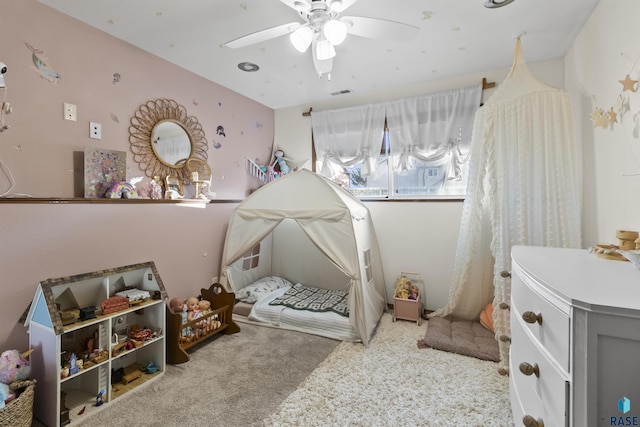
{"points": [[163, 137], [171, 143]]}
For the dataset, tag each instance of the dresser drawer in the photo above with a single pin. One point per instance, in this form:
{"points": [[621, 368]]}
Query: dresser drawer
{"points": [[552, 326], [543, 394]]}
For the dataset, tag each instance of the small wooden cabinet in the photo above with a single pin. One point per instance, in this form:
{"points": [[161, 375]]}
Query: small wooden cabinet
{"points": [[575, 338], [82, 364]]}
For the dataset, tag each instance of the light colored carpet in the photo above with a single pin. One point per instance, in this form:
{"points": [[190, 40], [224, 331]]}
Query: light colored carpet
{"points": [[257, 377], [231, 381], [394, 383]]}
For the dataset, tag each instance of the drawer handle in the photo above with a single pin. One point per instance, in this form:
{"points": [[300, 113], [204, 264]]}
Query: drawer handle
{"points": [[531, 317], [529, 421], [504, 306], [505, 338], [505, 274], [529, 369]]}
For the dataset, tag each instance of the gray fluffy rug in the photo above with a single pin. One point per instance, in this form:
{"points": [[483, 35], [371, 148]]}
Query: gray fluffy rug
{"points": [[394, 383]]}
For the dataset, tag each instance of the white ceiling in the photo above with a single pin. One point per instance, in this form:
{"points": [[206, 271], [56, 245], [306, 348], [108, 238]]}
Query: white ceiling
{"points": [[456, 37]]}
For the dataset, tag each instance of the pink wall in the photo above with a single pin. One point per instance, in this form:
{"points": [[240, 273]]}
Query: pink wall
{"points": [[39, 241]]}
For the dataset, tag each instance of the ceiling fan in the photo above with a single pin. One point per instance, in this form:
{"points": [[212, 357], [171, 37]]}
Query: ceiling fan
{"points": [[322, 28]]}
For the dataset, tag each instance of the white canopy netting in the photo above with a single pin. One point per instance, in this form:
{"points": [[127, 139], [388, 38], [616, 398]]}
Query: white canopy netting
{"points": [[524, 188]]}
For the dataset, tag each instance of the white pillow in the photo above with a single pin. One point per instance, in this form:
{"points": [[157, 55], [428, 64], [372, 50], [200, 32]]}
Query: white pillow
{"points": [[253, 292]]}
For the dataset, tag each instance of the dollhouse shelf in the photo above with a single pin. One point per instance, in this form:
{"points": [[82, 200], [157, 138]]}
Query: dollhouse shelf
{"points": [[75, 361]]}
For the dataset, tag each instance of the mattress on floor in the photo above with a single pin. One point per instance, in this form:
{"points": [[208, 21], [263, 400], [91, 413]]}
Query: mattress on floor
{"points": [[326, 324]]}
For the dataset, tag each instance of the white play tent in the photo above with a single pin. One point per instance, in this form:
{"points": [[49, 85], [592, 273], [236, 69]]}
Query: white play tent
{"points": [[310, 231]]}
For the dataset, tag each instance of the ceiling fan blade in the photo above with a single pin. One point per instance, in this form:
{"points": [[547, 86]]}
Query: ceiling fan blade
{"points": [[376, 28], [264, 35]]}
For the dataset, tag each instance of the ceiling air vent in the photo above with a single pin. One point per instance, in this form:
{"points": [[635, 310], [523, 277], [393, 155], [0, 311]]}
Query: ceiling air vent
{"points": [[341, 92]]}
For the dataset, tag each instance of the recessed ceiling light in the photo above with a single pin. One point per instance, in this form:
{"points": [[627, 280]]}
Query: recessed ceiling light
{"points": [[249, 67]]}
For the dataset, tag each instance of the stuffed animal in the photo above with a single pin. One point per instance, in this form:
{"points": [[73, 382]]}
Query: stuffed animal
{"points": [[14, 366], [6, 395]]}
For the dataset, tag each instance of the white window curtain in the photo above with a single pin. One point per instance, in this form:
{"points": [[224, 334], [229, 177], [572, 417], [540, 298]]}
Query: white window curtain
{"points": [[433, 128], [347, 137]]}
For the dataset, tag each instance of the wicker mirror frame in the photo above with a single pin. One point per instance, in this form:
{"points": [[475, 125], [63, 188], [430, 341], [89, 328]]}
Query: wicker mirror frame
{"points": [[141, 128]]}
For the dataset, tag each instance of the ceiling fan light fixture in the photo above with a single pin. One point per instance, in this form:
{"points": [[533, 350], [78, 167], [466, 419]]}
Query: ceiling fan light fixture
{"points": [[336, 6], [335, 31], [324, 50], [301, 38]]}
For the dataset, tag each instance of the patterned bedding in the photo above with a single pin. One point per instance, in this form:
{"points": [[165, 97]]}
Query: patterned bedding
{"points": [[327, 324], [300, 297]]}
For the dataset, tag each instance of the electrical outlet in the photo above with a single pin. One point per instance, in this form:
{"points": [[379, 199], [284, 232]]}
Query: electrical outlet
{"points": [[95, 130], [70, 112]]}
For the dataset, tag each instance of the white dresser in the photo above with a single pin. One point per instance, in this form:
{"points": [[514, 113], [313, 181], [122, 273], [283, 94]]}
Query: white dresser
{"points": [[575, 339]]}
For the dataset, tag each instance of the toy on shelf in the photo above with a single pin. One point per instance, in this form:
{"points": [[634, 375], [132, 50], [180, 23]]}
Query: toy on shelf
{"points": [[276, 167]]}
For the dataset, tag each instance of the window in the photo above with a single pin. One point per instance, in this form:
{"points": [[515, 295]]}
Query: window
{"points": [[251, 259], [420, 150], [367, 265]]}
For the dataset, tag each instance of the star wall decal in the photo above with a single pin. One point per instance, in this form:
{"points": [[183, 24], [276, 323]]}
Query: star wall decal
{"points": [[600, 118], [628, 84]]}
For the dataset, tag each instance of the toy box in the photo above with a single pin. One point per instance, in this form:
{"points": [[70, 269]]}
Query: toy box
{"points": [[407, 303]]}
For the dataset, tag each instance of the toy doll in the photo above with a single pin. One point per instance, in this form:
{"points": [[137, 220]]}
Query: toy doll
{"points": [[193, 313], [193, 309], [414, 293], [402, 287]]}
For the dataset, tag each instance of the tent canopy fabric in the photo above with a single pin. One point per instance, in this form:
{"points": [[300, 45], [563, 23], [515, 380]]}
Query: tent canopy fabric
{"points": [[339, 227], [523, 189]]}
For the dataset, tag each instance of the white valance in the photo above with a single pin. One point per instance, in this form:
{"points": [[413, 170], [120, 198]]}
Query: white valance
{"points": [[348, 136], [433, 128]]}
